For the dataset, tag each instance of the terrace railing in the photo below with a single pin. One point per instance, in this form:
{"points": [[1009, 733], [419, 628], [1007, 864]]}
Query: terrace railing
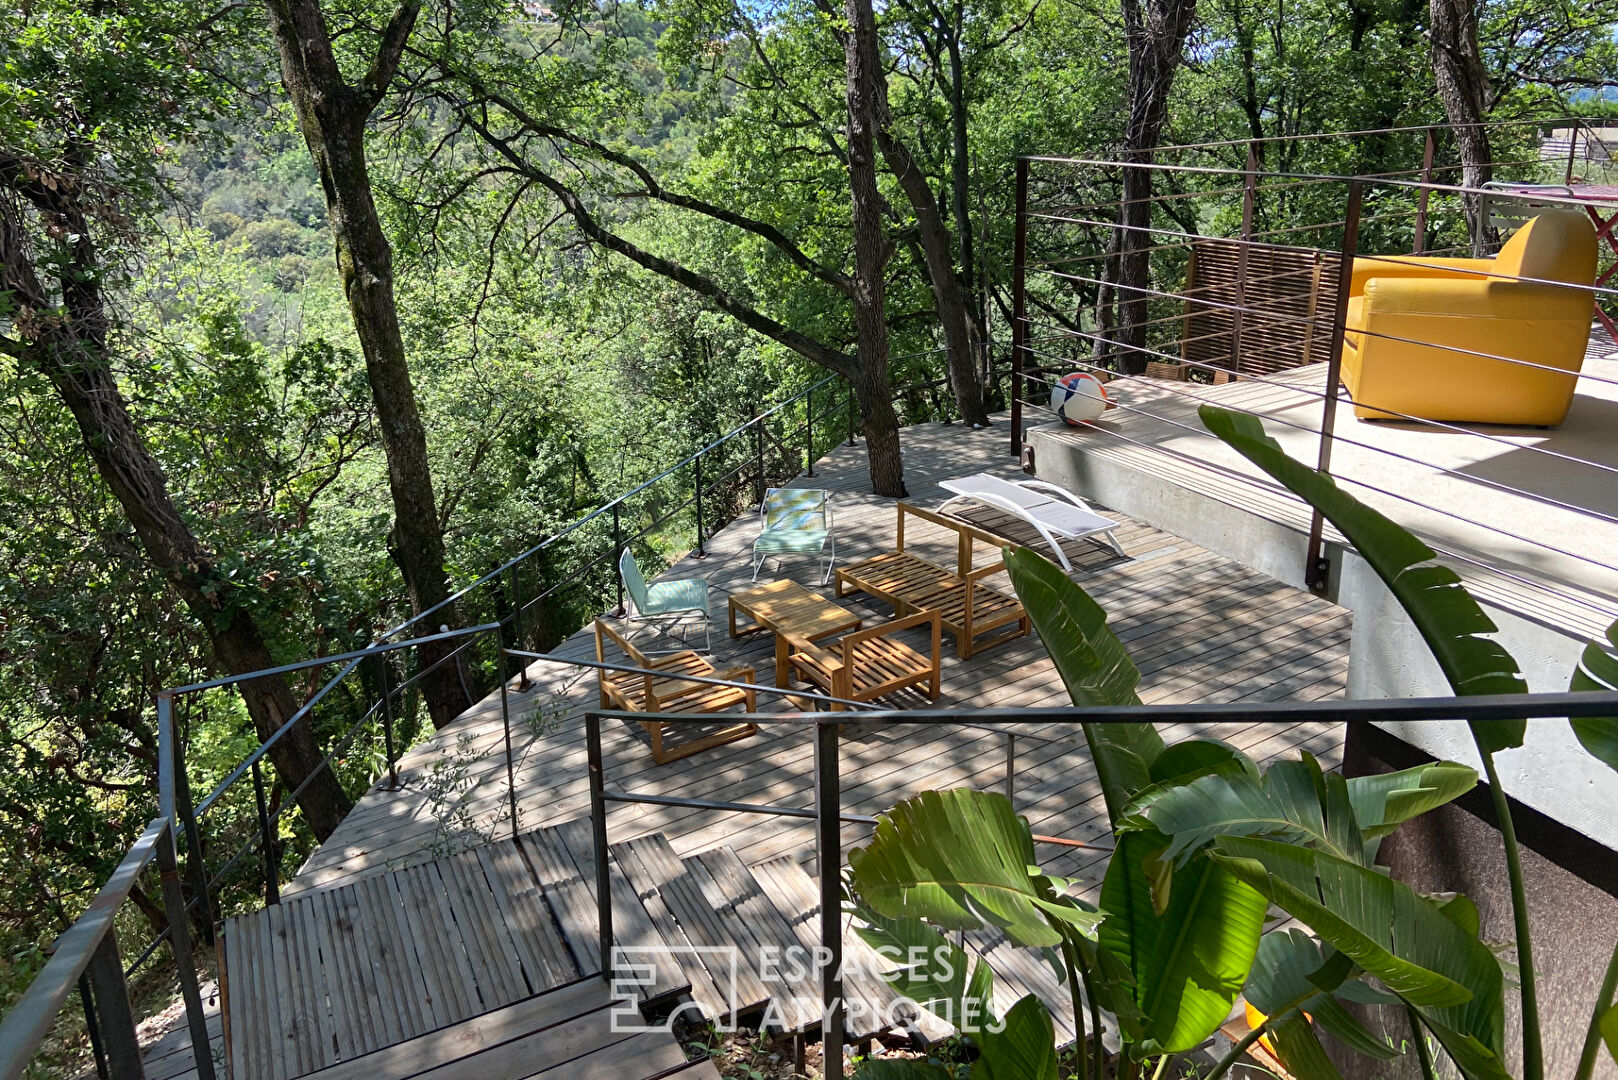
{"points": [[1248, 271], [205, 848], [822, 730]]}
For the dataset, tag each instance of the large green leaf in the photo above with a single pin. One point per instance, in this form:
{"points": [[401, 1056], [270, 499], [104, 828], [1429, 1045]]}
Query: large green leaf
{"points": [[1094, 667], [1598, 670], [1291, 967], [944, 981], [1448, 618], [1608, 1026], [1296, 800], [1024, 1049], [957, 858], [1384, 801], [1424, 956], [1187, 963]]}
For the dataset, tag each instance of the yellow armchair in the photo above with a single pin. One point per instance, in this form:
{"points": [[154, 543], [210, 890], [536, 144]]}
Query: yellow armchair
{"points": [[1416, 324]]}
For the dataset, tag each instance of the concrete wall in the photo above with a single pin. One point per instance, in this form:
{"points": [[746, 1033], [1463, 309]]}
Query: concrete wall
{"points": [[1565, 803], [1387, 657]]}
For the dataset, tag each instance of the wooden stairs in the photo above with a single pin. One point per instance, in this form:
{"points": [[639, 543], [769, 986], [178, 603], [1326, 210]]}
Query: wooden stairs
{"points": [[486, 964]]}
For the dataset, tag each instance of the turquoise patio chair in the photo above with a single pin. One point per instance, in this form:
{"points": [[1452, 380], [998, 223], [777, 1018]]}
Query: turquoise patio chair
{"points": [[664, 604], [797, 521]]}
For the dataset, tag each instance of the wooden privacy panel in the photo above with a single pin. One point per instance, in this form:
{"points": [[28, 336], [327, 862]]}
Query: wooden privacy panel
{"points": [[1286, 298]]}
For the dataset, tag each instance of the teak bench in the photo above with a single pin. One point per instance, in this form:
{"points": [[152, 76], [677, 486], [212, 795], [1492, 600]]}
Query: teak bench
{"points": [[667, 692], [966, 607]]}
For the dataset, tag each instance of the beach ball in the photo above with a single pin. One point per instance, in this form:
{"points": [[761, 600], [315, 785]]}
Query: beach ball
{"points": [[1079, 396]]}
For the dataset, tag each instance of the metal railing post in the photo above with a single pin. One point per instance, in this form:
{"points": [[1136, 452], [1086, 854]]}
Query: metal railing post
{"points": [[758, 461], [387, 721], [1316, 568], [850, 411], [505, 720], [1249, 198], [617, 559], [1011, 767], [1019, 311], [598, 832], [180, 943], [516, 626], [1423, 193], [114, 1018], [702, 552], [92, 1029], [829, 864], [809, 432], [272, 884], [195, 868]]}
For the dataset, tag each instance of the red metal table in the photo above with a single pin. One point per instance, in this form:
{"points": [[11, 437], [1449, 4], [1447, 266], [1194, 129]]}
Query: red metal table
{"points": [[1600, 201]]}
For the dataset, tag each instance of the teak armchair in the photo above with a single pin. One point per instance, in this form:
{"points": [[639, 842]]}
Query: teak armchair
{"points": [[871, 663], [667, 691]]}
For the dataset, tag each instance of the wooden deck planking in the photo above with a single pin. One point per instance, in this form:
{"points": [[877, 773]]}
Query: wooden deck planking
{"points": [[1199, 626]]}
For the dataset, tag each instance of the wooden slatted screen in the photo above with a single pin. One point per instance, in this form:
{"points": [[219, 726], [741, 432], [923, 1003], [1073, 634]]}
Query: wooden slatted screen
{"points": [[1286, 298]]}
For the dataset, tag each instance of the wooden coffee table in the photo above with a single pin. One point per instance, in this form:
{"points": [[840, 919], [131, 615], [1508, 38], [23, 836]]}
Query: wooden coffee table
{"points": [[787, 608]]}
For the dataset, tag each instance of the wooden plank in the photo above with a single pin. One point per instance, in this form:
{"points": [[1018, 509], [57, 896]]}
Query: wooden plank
{"points": [[554, 1047], [488, 947], [472, 1036], [236, 959], [572, 903], [402, 982], [791, 979], [632, 927], [305, 938], [702, 989], [428, 924], [520, 926], [721, 940], [345, 938], [372, 921], [649, 1054]]}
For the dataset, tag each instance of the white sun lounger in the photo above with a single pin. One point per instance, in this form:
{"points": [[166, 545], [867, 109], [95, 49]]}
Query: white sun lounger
{"points": [[1066, 516]]}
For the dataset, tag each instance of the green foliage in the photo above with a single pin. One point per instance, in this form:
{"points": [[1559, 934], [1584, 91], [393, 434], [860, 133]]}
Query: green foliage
{"points": [[1598, 670], [1448, 618]]}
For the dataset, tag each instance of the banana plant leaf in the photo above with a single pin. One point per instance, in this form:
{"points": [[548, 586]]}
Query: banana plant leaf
{"points": [[958, 859], [1290, 967], [1385, 801], [945, 981], [1024, 1049], [1298, 801], [1187, 962], [1598, 670], [1096, 669], [1449, 619], [1426, 957]]}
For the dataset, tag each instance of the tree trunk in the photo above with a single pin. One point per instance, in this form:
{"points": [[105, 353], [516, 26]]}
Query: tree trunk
{"points": [[948, 297], [1463, 87], [1156, 41], [68, 345], [871, 251], [332, 116]]}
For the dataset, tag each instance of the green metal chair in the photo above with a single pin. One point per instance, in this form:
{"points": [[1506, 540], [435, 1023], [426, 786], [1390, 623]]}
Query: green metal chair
{"points": [[665, 604], [797, 521]]}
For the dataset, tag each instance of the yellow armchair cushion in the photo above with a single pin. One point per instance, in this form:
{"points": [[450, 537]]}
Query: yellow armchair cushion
{"points": [[1436, 339]]}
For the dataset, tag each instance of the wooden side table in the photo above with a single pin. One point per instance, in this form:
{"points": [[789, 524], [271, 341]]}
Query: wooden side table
{"points": [[787, 608]]}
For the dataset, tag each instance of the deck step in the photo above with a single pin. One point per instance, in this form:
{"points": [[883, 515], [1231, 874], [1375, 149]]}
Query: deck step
{"points": [[333, 975], [563, 860], [567, 1032]]}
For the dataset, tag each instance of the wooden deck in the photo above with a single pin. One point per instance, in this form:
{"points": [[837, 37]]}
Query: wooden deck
{"points": [[1199, 626]]}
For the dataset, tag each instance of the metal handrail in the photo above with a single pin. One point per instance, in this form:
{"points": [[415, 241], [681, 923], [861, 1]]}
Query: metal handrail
{"points": [[829, 817]]}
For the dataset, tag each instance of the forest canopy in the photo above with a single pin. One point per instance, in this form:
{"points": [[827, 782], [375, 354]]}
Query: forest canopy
{"points": [[313, 313]]}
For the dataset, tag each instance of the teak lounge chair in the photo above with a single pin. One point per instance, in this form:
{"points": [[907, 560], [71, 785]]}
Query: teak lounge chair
{"points": [[797, 521], [665, 604], [666, 691]]}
